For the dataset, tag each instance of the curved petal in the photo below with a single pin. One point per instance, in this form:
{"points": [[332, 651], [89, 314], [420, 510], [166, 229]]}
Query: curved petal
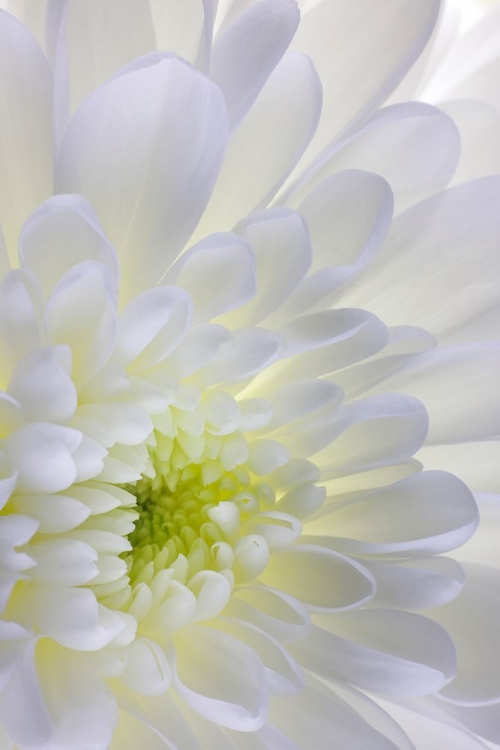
{"points": [[452, 288], [414, 146], [397, 653], [26, 127], [473, 622], [221, 678], [427, 513], [419, 584], [151, 326], [467, 412], [94, 55], [316, 715], [61, 233], [218, 273], [322, 579], [81, 314], [374, 432], [43, 386], [246, 52], [262, 149], [19, 324], [170, 123], [362, 51], [282, 249], [42, 453]]}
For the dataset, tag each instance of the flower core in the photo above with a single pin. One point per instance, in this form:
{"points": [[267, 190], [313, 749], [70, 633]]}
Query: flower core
{"points": [[196, 500]]}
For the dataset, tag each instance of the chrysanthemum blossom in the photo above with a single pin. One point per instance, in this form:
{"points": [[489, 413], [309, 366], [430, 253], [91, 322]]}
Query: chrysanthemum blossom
{"points": [[246, 277]]}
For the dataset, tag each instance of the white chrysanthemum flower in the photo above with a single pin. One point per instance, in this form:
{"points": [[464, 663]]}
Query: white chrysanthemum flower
{"points": [[216, 372]]}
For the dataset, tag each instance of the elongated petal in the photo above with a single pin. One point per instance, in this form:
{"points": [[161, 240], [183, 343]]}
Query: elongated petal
{"points": [[247, 51], [218, 273], [221, 678], [398, 653], [170, 122], [473, 370], [321, 578], [26, 129], [262, 149], [94, 55], [61, 233], [458, 299], [361, 53], [413, 146], [427, 513]]}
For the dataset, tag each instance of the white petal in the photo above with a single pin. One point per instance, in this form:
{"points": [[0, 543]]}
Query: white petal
{"points": [[373, 432], [73, 618], [199, 346], [61, 233], [15, 530], [263, 149], [283, 672], [212, 592], [251, 557], [164, 717], [81, 314], [283, 254], [300, 399], [398, 653], [218, 273], [63, 562], [151, 325], [185, 28], [132, 733], [434, 733], [175, 611], [420, 584], [470, 410], [221, 678], [89, 459], [316, 715], [111, 423], [266, 456], [278, 614], [26, 130], [246, 52], [11, 415], [22, 708], [82, 711], [403, 345], [279, 529], [413, 146], [470, 69], [42, 454], [43, 387], [348, 215], [473, 621], [251, 351], [7, 485], [482, 720], [478, 125], [332, 340], [482, 547], [319, 577], [170, 122], [361, 54], [427, 513], [451, 299], [19, 328], [148, 671], [95, 55], [302, 501]]}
